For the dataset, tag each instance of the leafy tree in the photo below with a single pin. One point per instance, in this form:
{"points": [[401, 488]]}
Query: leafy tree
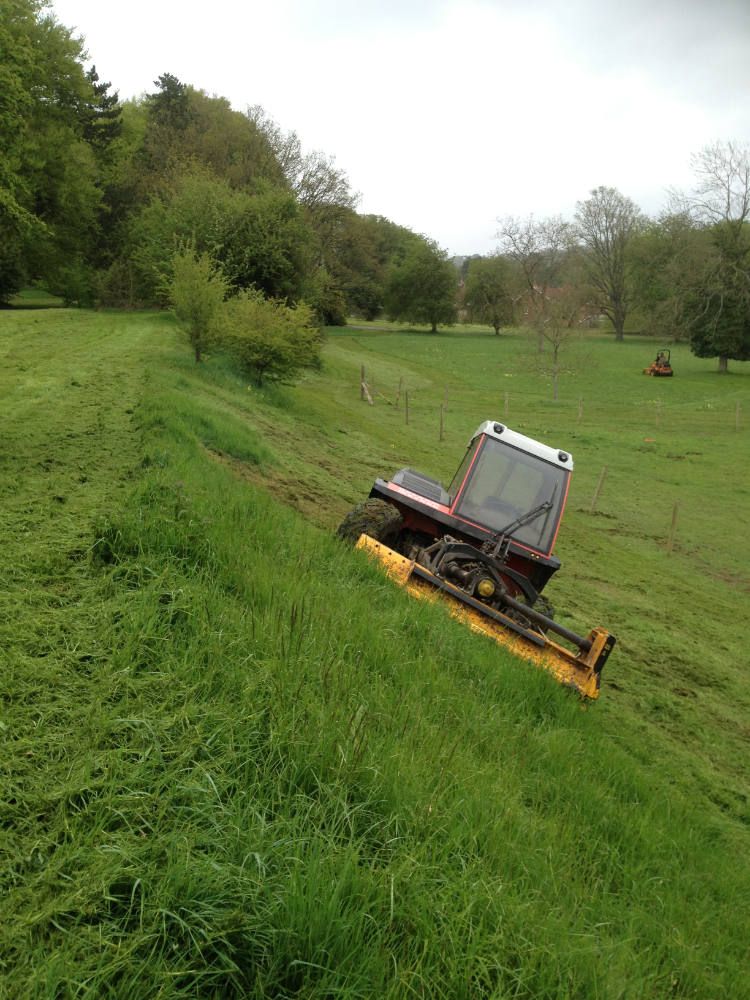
{"points": [[259, 240], [268, 244], [421, 284], [663, 261], [716, 295], [48, 192], [188, 131], [488, 294], [326, 299], [606, 223], [196, 293], [272, 342], [356, 266], [538, 248]]}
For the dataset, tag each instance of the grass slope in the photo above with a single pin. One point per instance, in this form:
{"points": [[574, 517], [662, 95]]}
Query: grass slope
{"points": [[238, 762]]}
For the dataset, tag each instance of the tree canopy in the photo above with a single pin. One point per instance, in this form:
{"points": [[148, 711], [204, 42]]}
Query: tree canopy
{"points": [[488, 291], [49, 193], [606, 223], [421, 284]]}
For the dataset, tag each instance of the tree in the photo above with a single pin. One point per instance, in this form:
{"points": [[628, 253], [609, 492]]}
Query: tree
{"points": [[663, 261], [48, 192], [101, 115], [421, 284], [488, 293], [322, 189], [196, 292], [558, 323], [357, 266], [272, 342], [258, 240], [538, 249], [606, 223], [716, 296]]}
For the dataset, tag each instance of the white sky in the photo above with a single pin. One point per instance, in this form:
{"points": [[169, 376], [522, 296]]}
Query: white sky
{"points": [[448, 114]]}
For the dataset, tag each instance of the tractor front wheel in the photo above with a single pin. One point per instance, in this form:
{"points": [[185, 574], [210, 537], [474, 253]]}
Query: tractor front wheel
{"points": [[376, 518]]}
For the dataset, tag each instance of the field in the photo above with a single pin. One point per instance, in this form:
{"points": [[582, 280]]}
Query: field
{"points": [[237, 762]]}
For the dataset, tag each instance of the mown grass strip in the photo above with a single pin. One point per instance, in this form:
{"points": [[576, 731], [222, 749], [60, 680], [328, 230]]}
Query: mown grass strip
{"points": [[238, 762]]}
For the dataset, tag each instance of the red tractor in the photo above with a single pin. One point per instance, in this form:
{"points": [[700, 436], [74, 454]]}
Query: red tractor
{"points": [[485, 544]]}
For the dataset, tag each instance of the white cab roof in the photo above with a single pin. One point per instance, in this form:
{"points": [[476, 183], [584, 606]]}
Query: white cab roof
{"points": [[502, 433]]}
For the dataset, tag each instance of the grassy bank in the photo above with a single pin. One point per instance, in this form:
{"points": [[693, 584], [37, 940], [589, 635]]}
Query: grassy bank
{"points": [[239, 763]]}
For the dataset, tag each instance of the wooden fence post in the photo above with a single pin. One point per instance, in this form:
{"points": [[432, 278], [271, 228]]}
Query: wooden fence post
{"points": [[598, 489], [670, 543]]}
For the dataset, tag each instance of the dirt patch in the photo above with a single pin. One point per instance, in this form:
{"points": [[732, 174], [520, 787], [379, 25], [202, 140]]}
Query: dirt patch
{"points": [[313, 504]]}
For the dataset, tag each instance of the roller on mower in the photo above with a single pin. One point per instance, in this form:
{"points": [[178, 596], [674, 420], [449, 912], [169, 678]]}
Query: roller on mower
{"points": [[483, 546]]}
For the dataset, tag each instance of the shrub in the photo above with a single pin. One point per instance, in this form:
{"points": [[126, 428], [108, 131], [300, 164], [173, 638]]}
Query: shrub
{"points": [[196, 293], [269, 340]]}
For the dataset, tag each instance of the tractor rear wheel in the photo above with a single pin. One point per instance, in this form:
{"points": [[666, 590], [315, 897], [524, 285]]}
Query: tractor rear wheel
{"points": [[376, 518]]}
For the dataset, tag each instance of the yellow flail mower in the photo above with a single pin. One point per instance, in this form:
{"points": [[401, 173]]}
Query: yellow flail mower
{"points": [[484, 547]]}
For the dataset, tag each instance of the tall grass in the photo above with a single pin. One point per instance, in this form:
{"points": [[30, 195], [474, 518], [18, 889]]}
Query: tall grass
{"points": [[238, 762]]}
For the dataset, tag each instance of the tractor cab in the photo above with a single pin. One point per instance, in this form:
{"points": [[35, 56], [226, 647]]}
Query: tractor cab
{"points": [[512, 486], [506, 500]]}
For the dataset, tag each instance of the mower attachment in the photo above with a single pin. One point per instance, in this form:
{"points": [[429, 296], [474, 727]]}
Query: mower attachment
{"points": [[580, 670]]}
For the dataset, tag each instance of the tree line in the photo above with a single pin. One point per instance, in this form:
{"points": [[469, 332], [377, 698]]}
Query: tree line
{"points": [[684, 275], [97, 195]]}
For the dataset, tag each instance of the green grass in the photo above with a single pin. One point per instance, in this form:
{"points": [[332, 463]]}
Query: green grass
{"points": [[35, 298], [238, 762]]}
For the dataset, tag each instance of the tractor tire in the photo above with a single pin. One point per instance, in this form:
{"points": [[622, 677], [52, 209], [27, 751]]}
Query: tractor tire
{"points": [[544, 607], [376, 518]]}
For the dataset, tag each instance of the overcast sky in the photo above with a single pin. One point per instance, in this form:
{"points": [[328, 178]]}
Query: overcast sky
{"points": [[446, 114]]}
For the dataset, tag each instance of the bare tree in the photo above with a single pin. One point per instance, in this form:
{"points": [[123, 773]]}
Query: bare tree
{"points": [[313, 177], [558, 322], [722, 190], [320, 187], [605, 224], [539, 249]]}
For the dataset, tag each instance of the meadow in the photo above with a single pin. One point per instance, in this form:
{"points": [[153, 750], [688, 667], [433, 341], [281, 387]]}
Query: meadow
{"points": [[238, 762]]}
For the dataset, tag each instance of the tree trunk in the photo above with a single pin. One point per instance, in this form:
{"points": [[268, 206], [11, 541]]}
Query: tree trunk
{"points": [[723, 366], [434, 327], [619, 313], [554, 377]]}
